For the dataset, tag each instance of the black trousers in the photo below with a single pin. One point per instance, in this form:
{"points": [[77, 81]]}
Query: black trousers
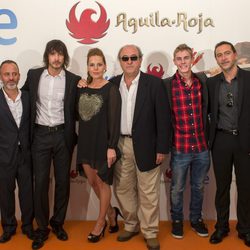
{"points": [[48, 147], [227, 153], [18, 171]]}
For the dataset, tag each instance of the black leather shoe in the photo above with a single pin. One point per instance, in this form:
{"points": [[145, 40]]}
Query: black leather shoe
{"points": [[37, 243], [95, 238], [245, 238], [6, 236], [40, 237], [60, 233], [115, 228], [29, 233], [218, 236]]}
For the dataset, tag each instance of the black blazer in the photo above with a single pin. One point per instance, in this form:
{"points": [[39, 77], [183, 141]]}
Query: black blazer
{"points": [[243, 107], [11, 135], [202, 77], [31, 84], [151, 123]]}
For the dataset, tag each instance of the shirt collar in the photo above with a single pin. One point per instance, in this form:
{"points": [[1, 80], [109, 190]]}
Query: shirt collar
{"points": [[9, 99], [223, 79], [134, 82], [61, 75]]}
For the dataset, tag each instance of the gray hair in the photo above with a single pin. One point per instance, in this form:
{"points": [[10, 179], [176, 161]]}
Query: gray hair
{"points": [[130, 45]]}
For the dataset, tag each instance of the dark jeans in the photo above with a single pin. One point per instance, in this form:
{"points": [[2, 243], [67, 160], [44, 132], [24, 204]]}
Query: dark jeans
{"points": [[199, 165]]}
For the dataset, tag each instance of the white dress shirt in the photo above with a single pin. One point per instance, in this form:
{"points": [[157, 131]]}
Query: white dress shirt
{"points": [[16, 107], [50, 99], [128, 104]]}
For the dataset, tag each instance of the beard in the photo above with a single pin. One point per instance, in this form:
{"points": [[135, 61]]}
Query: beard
{"points": [[10, 85], [56, 65]]}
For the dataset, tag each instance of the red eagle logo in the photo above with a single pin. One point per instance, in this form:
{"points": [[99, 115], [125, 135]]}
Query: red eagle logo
{"points": [[197, 57], [85, 29], [156, 71]]}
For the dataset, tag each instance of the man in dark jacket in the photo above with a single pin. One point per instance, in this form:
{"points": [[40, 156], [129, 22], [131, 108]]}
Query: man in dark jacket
{"points": [[15, 157], [143, 143], [52, 91], [229, 139]]}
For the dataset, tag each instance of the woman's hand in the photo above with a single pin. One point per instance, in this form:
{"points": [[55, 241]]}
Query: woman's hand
{"points": [[111, 156], [82, 83]]}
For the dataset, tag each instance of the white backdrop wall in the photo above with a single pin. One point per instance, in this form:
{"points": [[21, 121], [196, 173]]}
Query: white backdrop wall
{"points": [[156, 26]]}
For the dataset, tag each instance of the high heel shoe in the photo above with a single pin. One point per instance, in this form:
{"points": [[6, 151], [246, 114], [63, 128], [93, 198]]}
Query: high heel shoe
{"points": [[95, 238], [115, 228]]}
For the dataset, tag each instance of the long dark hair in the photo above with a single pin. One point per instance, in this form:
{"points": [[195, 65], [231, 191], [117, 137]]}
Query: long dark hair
{"points": [[59, 47]]}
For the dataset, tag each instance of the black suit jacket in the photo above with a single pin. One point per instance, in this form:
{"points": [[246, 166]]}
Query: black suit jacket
{"points": [[243, 107], [151, 123], [31, 84], [203, 78], [11, 135]]}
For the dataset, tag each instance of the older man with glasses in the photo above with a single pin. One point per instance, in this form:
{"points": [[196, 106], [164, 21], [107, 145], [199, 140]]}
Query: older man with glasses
{"points": [[144, 141]]}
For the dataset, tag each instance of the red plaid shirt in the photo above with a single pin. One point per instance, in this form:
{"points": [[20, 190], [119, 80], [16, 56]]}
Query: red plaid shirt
{"points": [[189, 134]]}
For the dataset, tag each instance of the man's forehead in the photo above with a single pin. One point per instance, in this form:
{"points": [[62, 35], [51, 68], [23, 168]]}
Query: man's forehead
{"points": [[130, 50], [9, 66]]}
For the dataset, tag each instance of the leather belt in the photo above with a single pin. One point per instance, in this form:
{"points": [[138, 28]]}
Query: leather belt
{"points": [[50, 129], [128, 136], [229, 131]]}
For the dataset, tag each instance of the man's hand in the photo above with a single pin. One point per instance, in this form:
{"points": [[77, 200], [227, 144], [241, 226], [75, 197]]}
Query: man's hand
{"points": [[111, 156], [160, 158], [82, 84]]}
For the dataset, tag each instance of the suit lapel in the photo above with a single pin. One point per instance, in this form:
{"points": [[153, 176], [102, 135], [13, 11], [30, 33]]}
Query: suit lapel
{"points": [[35, 83], [25, 109], [67, 89], [140, 96], [5, 108], [241, 91], [216, 97]]}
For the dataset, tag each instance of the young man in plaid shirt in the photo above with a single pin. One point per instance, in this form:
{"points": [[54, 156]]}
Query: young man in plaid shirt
{"points": [[188, 100]]}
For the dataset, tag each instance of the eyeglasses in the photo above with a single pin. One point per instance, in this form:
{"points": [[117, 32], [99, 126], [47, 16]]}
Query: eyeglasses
{"points": [[230, 100], [126, 58]]}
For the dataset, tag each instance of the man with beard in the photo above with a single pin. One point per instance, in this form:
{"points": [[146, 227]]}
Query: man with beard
{"points": [[229, 139], [52, 91], [15, 160]]}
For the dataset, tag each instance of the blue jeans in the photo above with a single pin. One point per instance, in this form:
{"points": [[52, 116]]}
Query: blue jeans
{"points": [[199, 164]]}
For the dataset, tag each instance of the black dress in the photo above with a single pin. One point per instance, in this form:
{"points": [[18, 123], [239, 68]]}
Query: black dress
{"points": [[99, 128]]}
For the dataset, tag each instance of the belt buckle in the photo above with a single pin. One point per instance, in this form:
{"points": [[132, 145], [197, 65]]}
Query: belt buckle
{"points": [[52, 129], [235, 132]]}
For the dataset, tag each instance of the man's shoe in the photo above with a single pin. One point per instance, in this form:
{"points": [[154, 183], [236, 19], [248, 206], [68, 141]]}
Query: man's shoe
{"points": [[40, 237], [245, 238], [218, 236], [126, 235], [6, 236], [29, 233], [37, 243], [200, 228], [177, 229], [60, 233], [153, 244]]}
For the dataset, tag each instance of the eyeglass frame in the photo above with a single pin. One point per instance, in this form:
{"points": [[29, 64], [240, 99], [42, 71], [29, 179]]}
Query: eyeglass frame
{"points": [[132, 58]]}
